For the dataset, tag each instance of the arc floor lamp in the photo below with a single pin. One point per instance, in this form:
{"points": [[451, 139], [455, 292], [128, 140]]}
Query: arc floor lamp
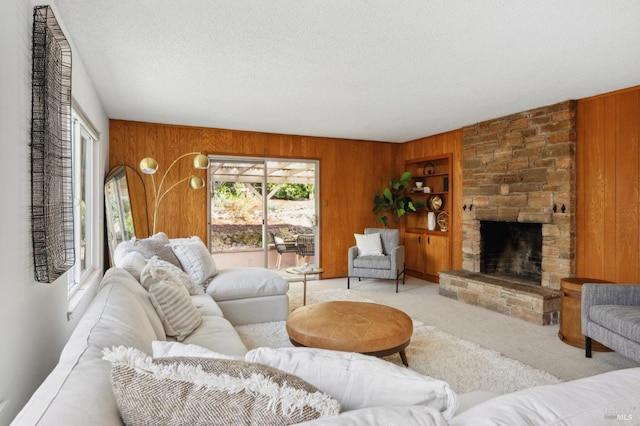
{"points": [[149, 166]]}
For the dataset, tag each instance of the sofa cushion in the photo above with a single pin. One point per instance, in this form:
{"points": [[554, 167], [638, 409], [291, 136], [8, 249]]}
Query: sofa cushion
{"points": [[218, 335], [156, 245], [195, 259], [173, 305], [212, 391], [621, 319], [359, 381], [206, 305], [369, 244], [372, 262], [157, 270], [587, 401], [240, 283]]}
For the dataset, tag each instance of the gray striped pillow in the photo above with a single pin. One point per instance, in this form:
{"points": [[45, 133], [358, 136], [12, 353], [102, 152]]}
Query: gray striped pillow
{"points": [[173, 304]]}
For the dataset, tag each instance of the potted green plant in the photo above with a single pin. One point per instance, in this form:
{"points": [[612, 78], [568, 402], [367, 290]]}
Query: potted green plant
{"points": [[394, 202]]}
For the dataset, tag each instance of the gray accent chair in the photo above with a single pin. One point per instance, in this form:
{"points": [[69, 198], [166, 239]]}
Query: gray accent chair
{"points": [[390, 266], [611, 316]]}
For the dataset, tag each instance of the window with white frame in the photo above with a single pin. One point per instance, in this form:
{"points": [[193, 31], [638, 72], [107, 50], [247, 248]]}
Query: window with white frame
{"points": [[86, 200]]}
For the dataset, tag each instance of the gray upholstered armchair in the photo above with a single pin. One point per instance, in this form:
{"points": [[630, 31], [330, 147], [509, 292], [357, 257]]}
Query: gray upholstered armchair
{"points": [[611, 316], [389, 265]]}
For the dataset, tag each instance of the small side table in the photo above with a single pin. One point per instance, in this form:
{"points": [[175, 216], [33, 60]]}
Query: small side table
{"points": [[304, 272], [571, 312]]}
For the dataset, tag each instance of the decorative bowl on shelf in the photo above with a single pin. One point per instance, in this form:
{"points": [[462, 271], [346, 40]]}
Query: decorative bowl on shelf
{"points": [[419, 184], [434, 202]]}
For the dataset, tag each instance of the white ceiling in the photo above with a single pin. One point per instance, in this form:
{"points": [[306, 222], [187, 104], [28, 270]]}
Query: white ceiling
{"points": [[362, 69]]}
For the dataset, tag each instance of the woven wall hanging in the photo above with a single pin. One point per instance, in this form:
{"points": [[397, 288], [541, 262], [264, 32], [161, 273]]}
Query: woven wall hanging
{"points": [[51, 153]]}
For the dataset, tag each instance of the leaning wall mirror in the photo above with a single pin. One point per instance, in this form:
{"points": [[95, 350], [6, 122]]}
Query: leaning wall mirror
{"points": [[125, 206]]}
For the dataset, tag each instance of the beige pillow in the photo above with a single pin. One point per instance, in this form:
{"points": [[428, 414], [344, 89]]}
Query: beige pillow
{"points": [[157, 269], [205, 391], [173, 304]]}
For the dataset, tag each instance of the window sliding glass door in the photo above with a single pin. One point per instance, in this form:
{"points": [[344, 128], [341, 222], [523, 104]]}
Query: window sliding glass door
{"points": [[260, 209]]}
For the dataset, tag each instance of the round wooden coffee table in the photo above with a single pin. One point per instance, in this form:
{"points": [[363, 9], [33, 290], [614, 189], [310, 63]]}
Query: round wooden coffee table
{"points": [[367, 328]]}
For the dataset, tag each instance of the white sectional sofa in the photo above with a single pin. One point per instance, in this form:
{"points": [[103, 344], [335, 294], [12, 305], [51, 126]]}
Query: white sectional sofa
{"points": [[79, 391]]}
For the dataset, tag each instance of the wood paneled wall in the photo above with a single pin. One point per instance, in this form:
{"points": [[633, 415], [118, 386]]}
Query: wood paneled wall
{"points": [[444, 143], [608, 176], [350, 173]]}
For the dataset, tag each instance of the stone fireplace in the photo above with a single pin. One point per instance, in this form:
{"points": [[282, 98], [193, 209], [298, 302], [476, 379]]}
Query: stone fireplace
{"points": [[518, 169]]}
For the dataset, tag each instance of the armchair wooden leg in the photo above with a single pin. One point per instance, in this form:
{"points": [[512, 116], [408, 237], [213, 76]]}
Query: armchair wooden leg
{"points": [[587, 347]]}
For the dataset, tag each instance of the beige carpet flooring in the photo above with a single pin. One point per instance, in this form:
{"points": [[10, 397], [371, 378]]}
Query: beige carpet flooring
{"points": [[537, 346]]}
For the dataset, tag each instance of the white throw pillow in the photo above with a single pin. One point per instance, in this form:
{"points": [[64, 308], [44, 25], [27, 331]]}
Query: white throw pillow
{"points": [[166, 349], [157, 270], [360, 381], [195, 259], [369, 244], [133, 262], [173, 304]]}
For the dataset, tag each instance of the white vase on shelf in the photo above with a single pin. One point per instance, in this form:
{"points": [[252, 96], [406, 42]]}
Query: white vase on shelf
{"points": [[431, 221]]}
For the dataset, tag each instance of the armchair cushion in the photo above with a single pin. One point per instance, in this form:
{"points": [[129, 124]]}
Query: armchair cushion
{"points": [[624, 320], [373, 262]]}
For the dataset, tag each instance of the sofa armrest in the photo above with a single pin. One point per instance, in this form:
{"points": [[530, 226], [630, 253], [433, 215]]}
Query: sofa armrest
{"points": [[608, 294]]}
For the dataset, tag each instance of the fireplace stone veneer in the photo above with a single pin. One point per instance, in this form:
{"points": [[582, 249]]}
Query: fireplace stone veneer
{"points": [[519, 168]]}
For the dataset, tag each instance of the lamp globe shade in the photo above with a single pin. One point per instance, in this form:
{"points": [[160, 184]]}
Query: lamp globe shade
{"points": [[148, 166]]}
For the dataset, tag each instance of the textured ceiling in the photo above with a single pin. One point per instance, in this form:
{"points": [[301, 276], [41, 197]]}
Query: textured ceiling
{"points": [[376, 70]]}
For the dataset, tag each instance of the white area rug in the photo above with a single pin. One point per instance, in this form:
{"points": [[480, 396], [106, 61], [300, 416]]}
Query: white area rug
{"points": [[466, 366]]}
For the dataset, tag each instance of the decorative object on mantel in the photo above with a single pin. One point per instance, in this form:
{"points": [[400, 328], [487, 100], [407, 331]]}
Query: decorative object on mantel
{"points": [[52, 226], [149, 166]]}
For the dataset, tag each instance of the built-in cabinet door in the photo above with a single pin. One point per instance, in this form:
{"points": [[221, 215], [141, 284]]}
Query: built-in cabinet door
{"points": [[426, 254], [413, 252], [437, 254]]}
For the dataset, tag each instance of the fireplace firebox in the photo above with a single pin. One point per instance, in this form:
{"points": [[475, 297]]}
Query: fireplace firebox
{"points": [[511, 249]]}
